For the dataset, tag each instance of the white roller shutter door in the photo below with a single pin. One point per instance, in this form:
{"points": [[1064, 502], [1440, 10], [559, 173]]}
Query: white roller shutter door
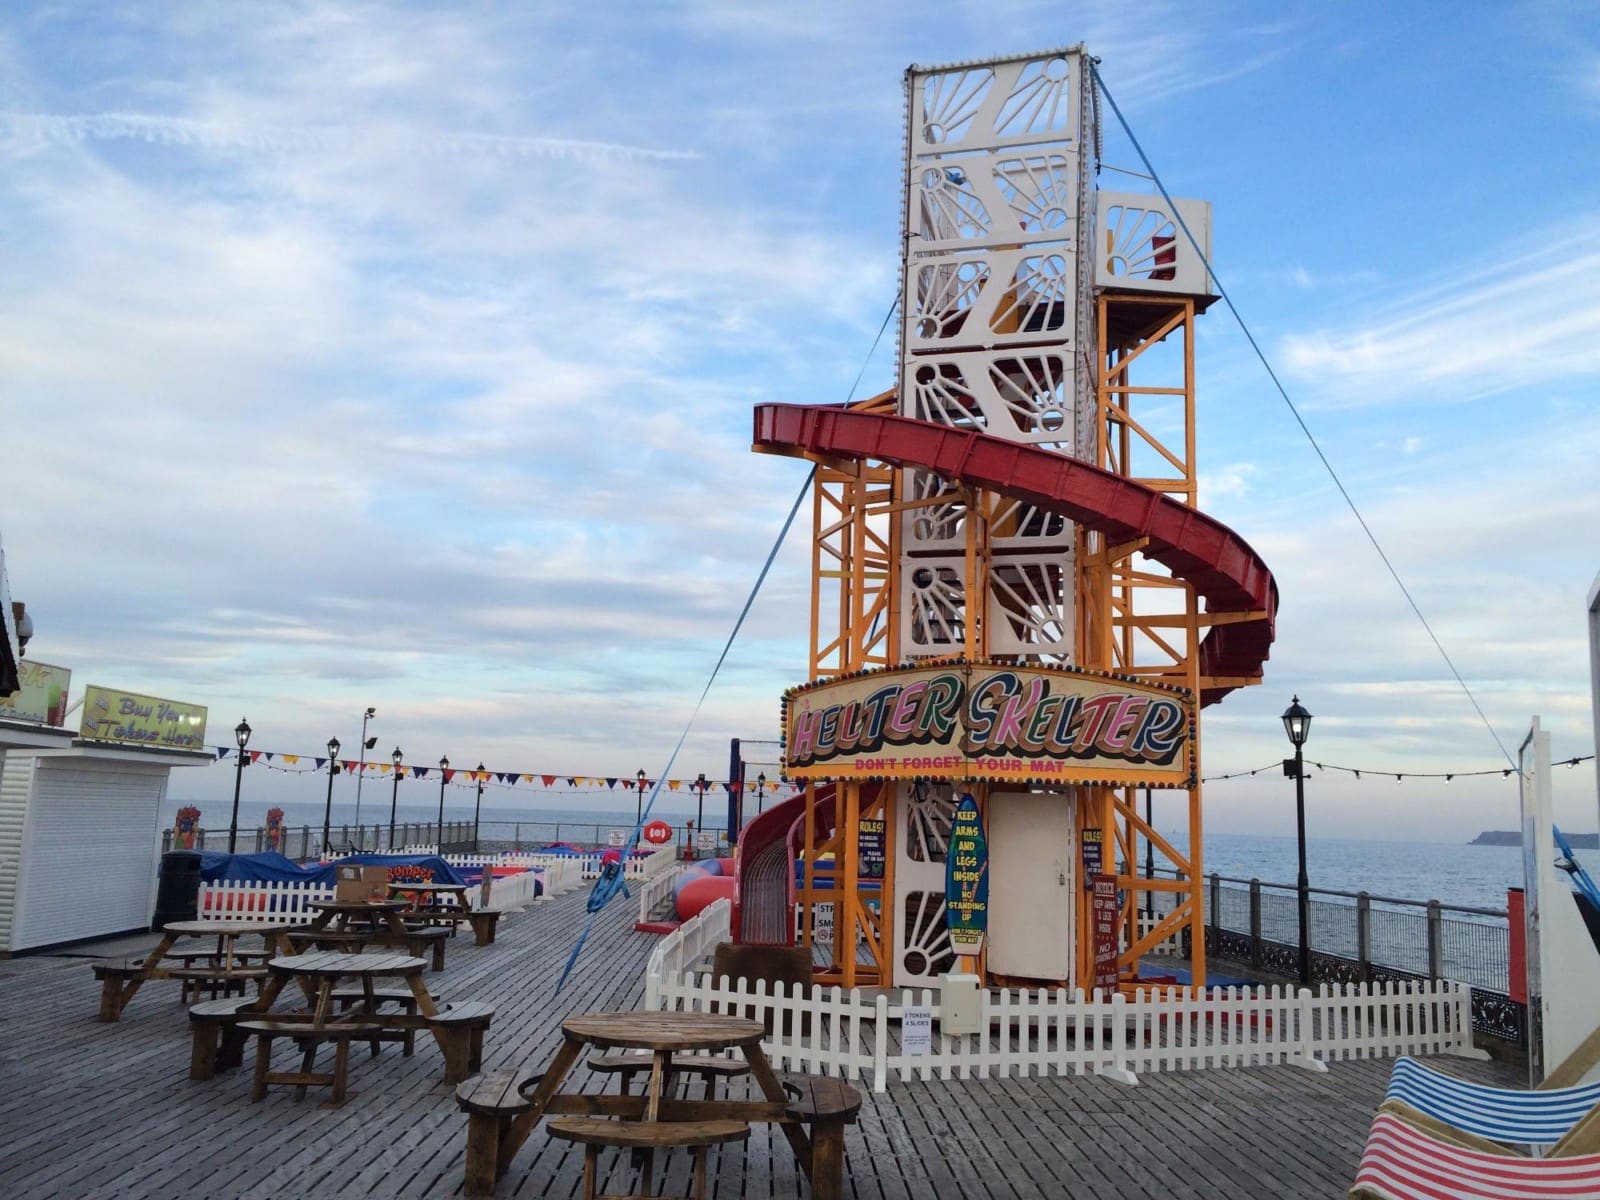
{"points": [[89, 859]]}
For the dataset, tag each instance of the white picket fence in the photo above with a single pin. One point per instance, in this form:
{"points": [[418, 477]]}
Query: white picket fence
{"points": [[653, 892], [286, 902], [1052, 1031]]}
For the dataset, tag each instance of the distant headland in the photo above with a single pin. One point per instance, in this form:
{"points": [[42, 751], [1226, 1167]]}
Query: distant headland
{"points": [[1513, 837]]}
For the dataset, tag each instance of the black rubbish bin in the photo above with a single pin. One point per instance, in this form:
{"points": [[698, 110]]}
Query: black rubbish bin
{"points": [[178, 888]]}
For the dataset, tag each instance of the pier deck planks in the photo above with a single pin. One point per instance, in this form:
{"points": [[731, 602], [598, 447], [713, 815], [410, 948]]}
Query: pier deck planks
{"points": [[101, 1110]]}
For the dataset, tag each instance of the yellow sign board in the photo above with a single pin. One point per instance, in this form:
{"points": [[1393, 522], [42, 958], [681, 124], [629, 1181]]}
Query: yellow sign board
{"points": [[110, 715], [991, 721], [42, 699]]}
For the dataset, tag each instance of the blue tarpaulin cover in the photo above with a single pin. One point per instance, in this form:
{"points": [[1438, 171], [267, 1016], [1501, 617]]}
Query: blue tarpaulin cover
{"points": [[218, 867]]}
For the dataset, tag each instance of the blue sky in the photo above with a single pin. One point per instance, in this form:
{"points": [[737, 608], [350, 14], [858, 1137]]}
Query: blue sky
{"points": [[404, 355]]}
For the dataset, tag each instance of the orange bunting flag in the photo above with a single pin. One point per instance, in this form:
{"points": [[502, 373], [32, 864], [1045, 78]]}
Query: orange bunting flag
{"points": [[674, 784], [291, 758]]}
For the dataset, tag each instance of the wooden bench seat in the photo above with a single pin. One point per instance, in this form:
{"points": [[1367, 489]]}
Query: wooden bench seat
{"points": [[216, 979], [708, 1067], [827, 1106], [492, 1101], [459, 1028], [308, 1037], [217, 1041], [593, 1133], [113, 974]]}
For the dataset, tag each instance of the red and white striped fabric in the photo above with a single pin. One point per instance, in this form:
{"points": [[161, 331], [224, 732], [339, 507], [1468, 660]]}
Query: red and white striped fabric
{"points": [[1403, 1163]]}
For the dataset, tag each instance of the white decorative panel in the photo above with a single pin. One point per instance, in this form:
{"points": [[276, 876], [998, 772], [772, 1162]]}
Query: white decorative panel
{"points": [[996, 308], [1032, 605], [1139, 245]]}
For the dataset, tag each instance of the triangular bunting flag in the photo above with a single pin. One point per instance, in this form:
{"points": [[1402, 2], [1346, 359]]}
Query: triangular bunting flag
{"points": [[449, 775], [291, 759], [572, 781], [611, 783], [383, 768], [255, 756], [347, 764], [508, 777], [548, 780], [527, 779], [674, 784], [419, 772], [320, 762], [268, 753], [222, 753]]}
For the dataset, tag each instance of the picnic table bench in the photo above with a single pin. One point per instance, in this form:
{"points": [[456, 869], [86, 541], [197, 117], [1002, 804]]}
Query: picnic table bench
{"points": [[446, 904], [221, 969], [504, 1106]]}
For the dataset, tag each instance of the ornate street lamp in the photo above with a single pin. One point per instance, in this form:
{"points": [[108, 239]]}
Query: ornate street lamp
{"points": [[476, 809], [444, 767], [327, 809], [639, 808], [701, 783], [1297, 724], [394, 795], [241, 731], [761, 791]]}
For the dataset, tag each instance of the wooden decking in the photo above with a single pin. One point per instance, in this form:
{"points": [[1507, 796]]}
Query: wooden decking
{"points": [[93, 1110]]}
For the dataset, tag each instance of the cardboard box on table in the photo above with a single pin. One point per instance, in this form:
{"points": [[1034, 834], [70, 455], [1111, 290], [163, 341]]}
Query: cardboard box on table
{"points": [[355, 883]]}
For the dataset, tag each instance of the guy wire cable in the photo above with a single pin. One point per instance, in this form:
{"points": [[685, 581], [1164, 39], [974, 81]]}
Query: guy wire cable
{"points": [[1295, 412]]}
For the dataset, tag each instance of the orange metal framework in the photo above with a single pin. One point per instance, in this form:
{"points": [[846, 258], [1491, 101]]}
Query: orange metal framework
{"points": [[1133, 618], [1137, 619]]}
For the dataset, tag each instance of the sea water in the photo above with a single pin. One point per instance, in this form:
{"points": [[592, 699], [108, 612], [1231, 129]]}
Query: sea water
{"points": [[1453, 873]]}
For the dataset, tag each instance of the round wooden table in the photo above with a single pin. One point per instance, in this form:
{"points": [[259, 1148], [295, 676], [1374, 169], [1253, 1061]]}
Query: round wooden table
{"points": [[337, 914]]}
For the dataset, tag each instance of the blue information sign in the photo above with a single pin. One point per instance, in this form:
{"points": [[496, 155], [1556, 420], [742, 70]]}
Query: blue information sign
{"points": [[966, 879]]}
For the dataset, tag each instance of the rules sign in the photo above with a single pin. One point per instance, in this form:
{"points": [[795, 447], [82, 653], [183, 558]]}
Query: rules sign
{"points": [[966, 879]]}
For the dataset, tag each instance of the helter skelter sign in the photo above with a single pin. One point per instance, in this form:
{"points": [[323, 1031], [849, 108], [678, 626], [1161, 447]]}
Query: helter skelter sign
{"points": [[991, 721]]}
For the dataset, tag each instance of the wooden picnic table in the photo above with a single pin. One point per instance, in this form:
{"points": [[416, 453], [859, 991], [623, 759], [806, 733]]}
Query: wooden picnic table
{"points": [[505, 1106], [429, 905], [360, 923], [119, 983], [340, 915]]}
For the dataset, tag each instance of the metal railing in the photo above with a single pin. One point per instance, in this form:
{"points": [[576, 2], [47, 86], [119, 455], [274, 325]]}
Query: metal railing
{"points": [[1357, 937]]}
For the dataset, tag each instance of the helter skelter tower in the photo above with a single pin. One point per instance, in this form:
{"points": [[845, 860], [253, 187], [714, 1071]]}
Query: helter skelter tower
{"points": [[1015, 598]]}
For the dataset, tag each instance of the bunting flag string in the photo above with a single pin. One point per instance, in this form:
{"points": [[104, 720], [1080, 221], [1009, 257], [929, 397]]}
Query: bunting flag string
{"points": [[1381, 773], [575, 784]]}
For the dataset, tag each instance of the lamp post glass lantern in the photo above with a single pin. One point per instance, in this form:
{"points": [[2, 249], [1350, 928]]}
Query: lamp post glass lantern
{"points": [[327, 809], [394, 794], [1297, 724], [241, 731], [444, 769]]}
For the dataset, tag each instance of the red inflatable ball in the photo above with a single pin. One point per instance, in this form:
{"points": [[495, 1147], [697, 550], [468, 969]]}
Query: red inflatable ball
{"points": [[698, 893]]}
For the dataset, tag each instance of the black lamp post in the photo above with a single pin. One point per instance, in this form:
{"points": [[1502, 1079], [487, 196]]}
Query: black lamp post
{"points": [[639, 808], [242, 732], [394, 795], [327, 809], [1297, 724], [367, 743], [477, 807], [1149, 861], [701, 783], [761, 791], [444, 767]]}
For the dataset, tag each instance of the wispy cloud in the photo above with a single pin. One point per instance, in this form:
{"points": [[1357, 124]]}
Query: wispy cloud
{"points": [[1527, 315], [215, 135]]}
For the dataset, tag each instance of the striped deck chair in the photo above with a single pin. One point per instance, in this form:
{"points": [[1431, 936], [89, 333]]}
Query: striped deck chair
{"points": [[1448, 1107], [1401, 1162]]}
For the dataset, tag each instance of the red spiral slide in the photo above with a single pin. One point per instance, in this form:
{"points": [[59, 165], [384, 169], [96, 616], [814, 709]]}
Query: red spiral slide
{"points": [[1226, 573]]}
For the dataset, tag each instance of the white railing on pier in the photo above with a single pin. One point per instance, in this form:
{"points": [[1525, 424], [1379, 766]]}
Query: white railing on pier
{"points": [[653, 891], [1170, 944], [1053, 1031], [286, 901]]}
